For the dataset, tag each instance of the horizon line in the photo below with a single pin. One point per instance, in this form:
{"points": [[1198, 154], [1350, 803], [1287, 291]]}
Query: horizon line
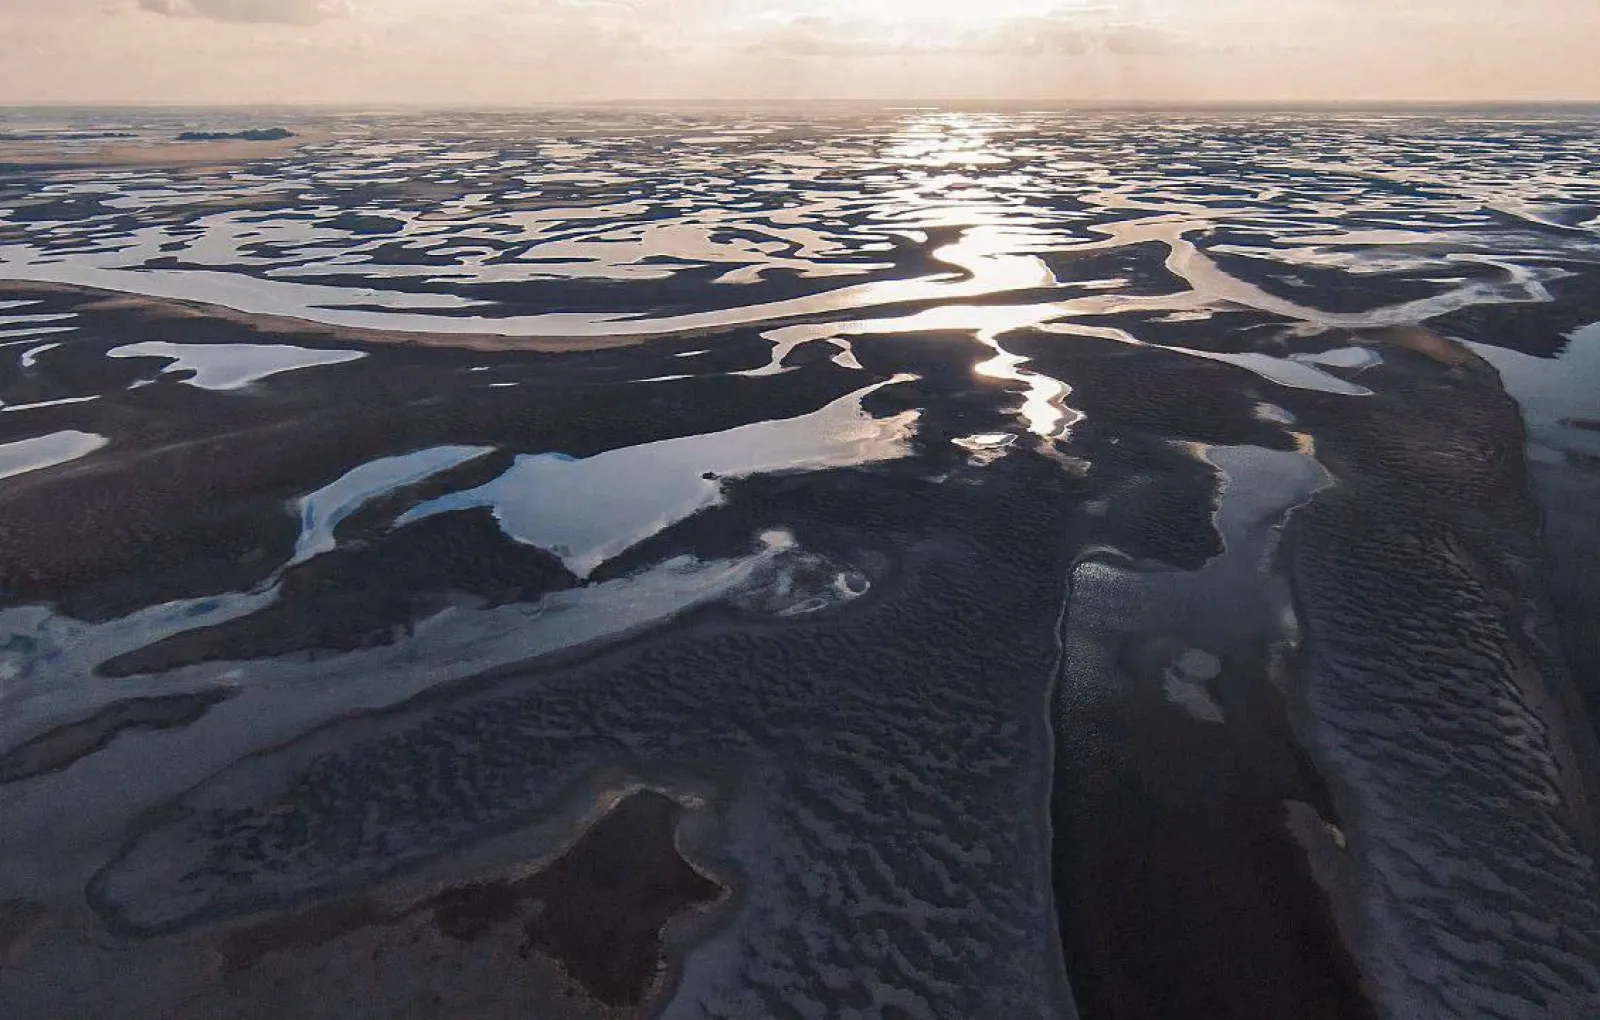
{"points": [[832, 102]]}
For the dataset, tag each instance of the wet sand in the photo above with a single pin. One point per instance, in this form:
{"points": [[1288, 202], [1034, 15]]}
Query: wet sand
{"points": [[1167, 830], [1172, 722], [1421, 588], [1150, 626]]}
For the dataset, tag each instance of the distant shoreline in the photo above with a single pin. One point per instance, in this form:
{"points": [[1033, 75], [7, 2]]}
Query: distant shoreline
{"points": [[1420, 106], [177, 151]]}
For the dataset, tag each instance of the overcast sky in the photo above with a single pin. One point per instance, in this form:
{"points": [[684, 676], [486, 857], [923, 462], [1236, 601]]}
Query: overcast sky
{"points": [[510, 52]]}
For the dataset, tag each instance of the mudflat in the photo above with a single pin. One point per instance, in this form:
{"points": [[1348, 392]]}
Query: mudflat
{"points": [[908, 565]]}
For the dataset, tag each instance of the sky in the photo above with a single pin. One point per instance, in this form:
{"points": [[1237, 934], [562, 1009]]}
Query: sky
{"points": [[518, 52]]}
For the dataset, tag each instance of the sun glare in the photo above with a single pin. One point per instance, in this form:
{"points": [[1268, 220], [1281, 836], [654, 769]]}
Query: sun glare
{"points": [[950, 12]]}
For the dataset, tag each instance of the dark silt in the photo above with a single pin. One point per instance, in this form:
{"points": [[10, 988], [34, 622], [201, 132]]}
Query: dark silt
{"points": [[598, 910]]}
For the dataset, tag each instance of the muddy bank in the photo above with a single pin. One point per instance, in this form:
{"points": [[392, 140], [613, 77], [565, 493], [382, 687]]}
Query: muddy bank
{"points": [[1432, 695], [1275, 753]]}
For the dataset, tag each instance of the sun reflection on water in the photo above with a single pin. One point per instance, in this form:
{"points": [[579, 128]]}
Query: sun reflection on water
{"points": [[996, 249]]}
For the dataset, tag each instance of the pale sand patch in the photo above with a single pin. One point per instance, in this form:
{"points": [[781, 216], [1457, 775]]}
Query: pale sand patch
{"points": [[1426, 342], [173, 153], [284, 325]]}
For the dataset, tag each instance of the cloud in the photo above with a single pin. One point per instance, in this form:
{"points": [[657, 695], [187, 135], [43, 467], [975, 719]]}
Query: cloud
{"points": [[508, 52], [1072, 36], [274, 12], [1065, 33]]}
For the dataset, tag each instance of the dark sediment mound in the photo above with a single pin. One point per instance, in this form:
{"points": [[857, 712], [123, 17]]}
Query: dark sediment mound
{"points": [[364, 223], [1539, 330], [604, 901], [1143, 266], [368, 594], [1329, 287], [1157, 393], [323, 923], [276, 134], [62, 136], [64, 745], [598, 910]]}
